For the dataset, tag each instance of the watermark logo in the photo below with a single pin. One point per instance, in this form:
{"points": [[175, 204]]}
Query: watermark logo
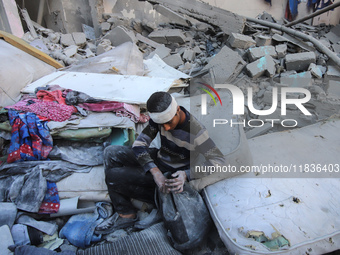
{"points": [[209, 93], [239, 101]]}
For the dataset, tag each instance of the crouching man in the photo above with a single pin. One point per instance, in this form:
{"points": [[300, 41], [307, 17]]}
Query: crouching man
{"points": [[135, 172]]}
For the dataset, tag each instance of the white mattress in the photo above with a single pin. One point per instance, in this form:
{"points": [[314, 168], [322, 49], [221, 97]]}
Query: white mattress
{"points": [[303, 212]]}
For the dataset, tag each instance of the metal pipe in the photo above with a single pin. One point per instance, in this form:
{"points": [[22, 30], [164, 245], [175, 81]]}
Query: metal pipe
{"points": [[293, 32], [332, 6]]}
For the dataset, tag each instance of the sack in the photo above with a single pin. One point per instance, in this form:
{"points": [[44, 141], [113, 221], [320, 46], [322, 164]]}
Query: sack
{"points": [[185, 217]]}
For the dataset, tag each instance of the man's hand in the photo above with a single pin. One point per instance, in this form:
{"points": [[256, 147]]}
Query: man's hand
{"points": [[176, 184], [159, 179]]}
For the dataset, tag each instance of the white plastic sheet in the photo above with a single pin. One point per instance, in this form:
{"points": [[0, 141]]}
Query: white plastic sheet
{"points": [[122, 88]]}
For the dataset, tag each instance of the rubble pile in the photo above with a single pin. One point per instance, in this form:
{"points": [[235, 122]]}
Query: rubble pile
{"points": [[248, 55]]}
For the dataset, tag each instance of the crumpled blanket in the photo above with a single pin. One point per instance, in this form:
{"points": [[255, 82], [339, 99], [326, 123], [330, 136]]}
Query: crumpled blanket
{"points": [[121, 110], [31, 139]]}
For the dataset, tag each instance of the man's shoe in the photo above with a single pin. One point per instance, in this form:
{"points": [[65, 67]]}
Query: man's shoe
{"points": [[153, 218], [113, 223]]}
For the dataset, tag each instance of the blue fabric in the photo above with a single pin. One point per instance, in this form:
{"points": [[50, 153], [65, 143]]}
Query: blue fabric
{"points": [[293, 7], [79, 229], [31, 139], [51, 201], [316, 4]]}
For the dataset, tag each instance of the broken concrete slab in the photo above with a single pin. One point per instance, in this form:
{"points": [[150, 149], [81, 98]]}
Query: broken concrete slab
{"points": [[315, 70], [262, 66], [299, 61], [105, 26], [103, 46], [161, 51], [226, 65], [259, 52], [303, 79], [174, 60], [79, 38], [281, 50], [333, 73], [148, 41], [263, 40], [70, 50], [241, 41], [120, 35], [67, 40], [175, 36], [173, 16], [158, 36], [189, 55], [227, 21], [167, 36]]}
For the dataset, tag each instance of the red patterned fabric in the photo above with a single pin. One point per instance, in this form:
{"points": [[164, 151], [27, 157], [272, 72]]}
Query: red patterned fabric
{"points": [[56, 95], [48, 110]]}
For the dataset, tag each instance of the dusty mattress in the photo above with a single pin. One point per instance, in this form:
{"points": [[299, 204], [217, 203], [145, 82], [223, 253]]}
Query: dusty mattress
{"points": [[283, 215]]}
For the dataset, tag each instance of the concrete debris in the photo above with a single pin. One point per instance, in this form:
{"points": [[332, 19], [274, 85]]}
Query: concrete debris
{"points": [[300, 61], [263, 66], [303, 79], [213, 44], [227, 21], [173, 16], [168, 36], [259, 52], [315, 70], [263, 40], [67, 40], [241, 41], [79, 38], [225, 72], [120, 35], [174, 60]]}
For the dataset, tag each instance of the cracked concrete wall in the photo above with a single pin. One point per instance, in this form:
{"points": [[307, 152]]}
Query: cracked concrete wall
{"points": [[68, 16], [136, 10]]}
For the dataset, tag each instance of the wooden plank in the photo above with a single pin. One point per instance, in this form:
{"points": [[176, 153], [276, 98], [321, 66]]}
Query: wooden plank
{"points": [[24, 46]]}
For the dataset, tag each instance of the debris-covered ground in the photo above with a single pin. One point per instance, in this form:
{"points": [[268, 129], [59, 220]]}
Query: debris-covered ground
{"points": [[203, 42]]}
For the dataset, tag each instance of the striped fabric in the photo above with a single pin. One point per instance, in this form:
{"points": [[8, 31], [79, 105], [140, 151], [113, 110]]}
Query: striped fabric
{"points": [[177, 146], [151, 241]]}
